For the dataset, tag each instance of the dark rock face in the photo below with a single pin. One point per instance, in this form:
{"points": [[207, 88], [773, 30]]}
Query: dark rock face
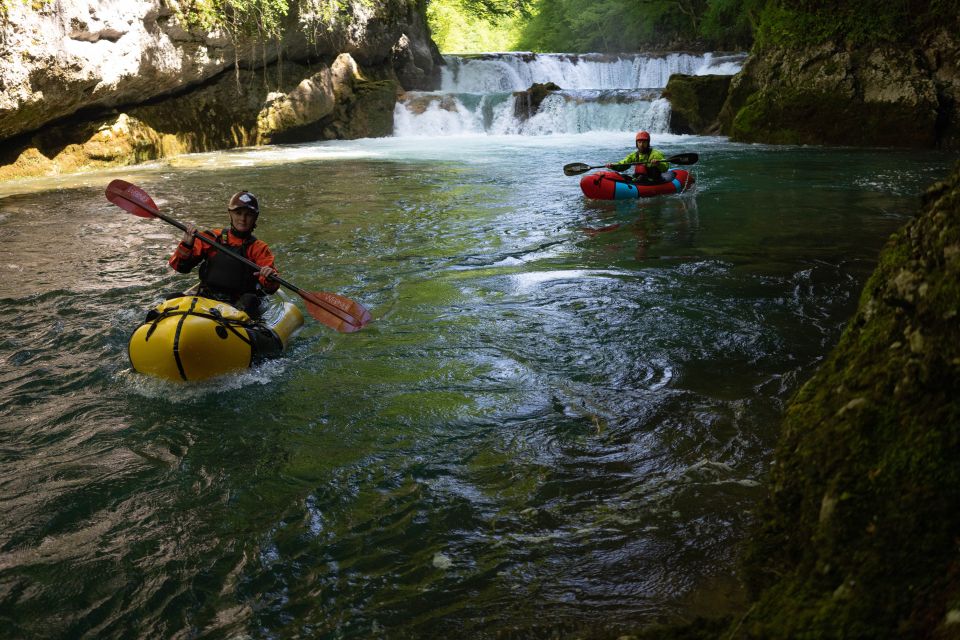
{"points": [[881, 96], [858, 537], [528, 102], [695, 103]]}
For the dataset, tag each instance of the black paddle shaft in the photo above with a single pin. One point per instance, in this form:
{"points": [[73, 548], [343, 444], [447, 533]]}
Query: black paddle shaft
{"points": [[576, 168], [230, 252]]}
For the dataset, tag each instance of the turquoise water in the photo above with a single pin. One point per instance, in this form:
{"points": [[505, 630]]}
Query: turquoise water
{"points": [[557, 421]]}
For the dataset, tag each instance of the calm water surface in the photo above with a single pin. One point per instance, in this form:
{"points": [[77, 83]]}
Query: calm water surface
{"points": [[557, 421]]}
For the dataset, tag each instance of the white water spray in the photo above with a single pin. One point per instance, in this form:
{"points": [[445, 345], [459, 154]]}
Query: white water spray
{"points": [[599, 92]]}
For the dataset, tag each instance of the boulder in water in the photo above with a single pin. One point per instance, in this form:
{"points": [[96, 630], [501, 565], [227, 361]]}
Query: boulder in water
{"points": [[528, 102], [695, 102]]}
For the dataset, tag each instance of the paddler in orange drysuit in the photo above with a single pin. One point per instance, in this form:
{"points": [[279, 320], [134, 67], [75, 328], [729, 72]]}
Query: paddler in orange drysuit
{"points": [[648, 163], [225, 278]]}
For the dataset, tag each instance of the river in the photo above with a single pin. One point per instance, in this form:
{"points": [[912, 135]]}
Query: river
{"points": [[557, 422]]}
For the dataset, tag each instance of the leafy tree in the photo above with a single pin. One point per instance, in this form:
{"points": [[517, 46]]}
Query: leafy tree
{"points": [[487, 9], [632, 25], [730, 24], [608, 25], [474, 26]]}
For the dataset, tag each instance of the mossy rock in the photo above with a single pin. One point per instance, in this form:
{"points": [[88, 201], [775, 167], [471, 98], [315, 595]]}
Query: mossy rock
{"points": [[528, 102], [831, 94], [222, 114], [371, 113], [695, 102], [792, 116], [858, 537], [115, 141], [30, 163]]}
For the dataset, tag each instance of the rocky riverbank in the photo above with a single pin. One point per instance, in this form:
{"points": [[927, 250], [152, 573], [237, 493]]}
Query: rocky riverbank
{"points": [[94, 84], [829, 94], [834, 93], [859, 535]]}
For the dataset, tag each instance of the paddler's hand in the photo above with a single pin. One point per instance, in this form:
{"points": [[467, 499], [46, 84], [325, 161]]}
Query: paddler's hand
{"points": [[609, 165], [266, 272], [188, 234]]}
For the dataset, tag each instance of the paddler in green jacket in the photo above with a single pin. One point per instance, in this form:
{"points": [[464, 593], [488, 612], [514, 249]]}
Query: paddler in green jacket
{"points": [[648, 163]]}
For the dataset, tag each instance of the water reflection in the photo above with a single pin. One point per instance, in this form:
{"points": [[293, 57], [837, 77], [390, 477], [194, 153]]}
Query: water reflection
{"points": [[556, 422]]}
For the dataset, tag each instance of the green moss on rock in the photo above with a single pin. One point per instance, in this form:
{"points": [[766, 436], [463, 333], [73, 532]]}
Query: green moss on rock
{"points": [[29, 163], [784, 115], [832, 94], [695, 102], [371, 113], [859, 536], [115, 141], [528, 102]]}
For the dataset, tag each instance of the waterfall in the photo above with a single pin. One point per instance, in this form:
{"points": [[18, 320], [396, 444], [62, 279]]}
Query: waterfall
{"points": [[599, 92]]}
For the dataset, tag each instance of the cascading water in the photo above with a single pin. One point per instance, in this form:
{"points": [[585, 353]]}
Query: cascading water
{"points": [[599, 92]]}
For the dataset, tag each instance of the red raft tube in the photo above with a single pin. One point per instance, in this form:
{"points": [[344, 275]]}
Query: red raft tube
{"points": [[610, 185]]}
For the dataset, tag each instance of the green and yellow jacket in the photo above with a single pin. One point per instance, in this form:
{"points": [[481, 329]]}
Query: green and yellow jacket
{"points": [[653, 157]]}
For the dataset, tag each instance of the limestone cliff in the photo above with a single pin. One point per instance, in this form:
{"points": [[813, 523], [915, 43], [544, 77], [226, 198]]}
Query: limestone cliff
{"points": [[98, 82], [837, 94]]}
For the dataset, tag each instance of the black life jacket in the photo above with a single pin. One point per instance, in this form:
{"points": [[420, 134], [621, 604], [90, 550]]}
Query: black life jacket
{"points": [[227, 278]]}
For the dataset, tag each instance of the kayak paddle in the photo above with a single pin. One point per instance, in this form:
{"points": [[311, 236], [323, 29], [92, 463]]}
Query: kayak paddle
{"points": [[335, 311], [576, 168]]}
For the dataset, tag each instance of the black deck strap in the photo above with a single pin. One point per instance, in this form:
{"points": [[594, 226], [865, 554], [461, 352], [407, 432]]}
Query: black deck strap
{"points": [[176, 338], [227, 323]]}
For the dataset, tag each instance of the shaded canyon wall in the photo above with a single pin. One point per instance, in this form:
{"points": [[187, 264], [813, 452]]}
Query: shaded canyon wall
{"points": [[858, 537], [838, 95]]}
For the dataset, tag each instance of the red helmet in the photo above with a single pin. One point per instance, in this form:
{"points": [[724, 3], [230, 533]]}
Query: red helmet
{"points": [[643, 135]]}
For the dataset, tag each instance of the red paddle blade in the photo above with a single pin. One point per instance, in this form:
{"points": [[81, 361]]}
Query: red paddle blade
{"points": [[337, 312], [130, 197], [593, 232]]}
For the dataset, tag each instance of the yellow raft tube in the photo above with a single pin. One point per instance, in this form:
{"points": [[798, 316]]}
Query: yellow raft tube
{"points": [[193, 338]]}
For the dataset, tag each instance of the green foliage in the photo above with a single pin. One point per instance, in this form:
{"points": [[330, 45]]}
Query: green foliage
{"points": [[550, 29], [631, 25], [786, 23], [471, 26], [6, 5], [488, 9], [238, 17], [607, 25], [729, 24], [259, 19]]}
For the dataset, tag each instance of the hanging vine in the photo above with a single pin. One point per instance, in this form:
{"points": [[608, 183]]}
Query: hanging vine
{"points": [[251, 22], [240, 19], [260, 19]]}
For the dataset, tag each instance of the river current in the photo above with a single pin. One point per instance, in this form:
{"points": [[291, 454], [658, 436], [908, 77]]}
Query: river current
{"points": [[557, 422]]}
